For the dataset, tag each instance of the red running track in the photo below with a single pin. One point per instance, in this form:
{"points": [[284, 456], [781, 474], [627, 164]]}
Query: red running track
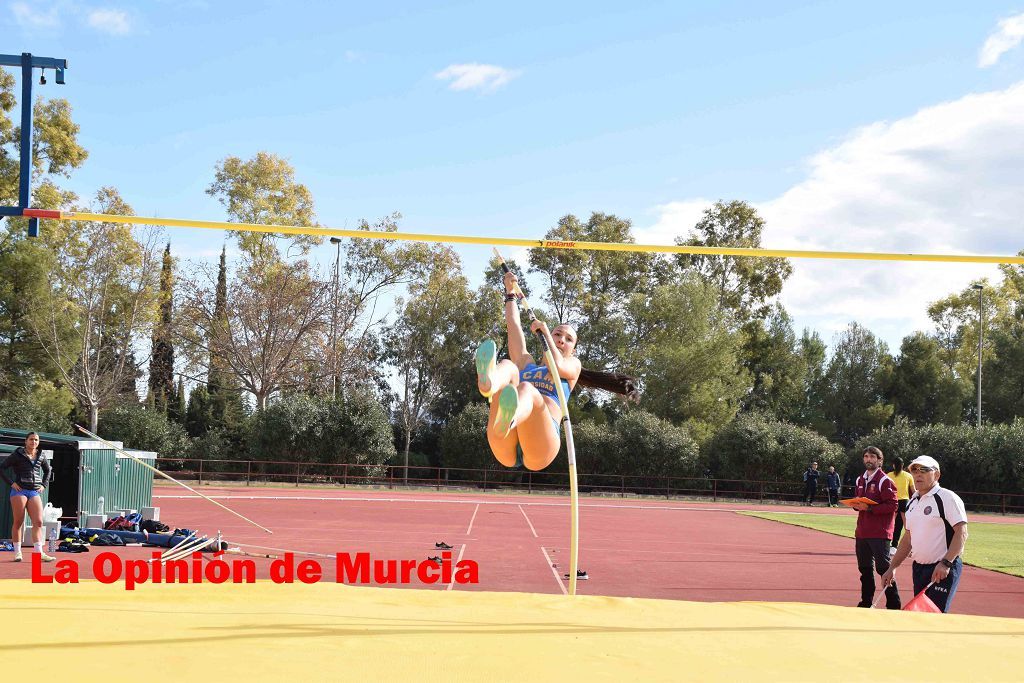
{"points": [[637, 548]]}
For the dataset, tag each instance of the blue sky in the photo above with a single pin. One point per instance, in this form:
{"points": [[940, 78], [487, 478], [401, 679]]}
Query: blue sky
{"points": [[809, 110]]}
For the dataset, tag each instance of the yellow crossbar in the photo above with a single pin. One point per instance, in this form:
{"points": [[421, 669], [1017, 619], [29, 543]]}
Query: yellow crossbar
{"points": [[530, 243]]}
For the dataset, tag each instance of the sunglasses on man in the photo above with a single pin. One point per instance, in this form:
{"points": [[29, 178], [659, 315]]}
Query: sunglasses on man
{"points": [[914, 469]]}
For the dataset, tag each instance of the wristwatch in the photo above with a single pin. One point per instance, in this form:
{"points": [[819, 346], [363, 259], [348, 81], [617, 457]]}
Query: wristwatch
{"points": [[949, 565]]}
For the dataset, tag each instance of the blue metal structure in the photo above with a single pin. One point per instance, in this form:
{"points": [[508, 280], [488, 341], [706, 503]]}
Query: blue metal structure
{"points": [[27, 62]]}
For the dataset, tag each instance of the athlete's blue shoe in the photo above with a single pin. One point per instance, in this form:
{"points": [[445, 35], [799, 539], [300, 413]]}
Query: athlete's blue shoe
{"points": [[486, 359], [508, 403]]}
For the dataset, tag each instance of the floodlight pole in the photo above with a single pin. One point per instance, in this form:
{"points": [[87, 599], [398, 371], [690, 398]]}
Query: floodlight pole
{"points": [[27, 62], [981, 340]]}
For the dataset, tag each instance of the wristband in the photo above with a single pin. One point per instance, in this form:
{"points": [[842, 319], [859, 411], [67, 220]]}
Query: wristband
{"points": [[510, 296], [949, 565]]}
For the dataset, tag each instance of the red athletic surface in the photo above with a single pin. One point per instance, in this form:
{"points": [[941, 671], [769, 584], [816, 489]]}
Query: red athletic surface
{"points": [[639, 548]]}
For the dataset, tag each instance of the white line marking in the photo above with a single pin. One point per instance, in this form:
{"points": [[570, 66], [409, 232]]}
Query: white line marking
{"points": [[471, 502], [470, 527], [528, 521], [553, 571], [457, 560]]}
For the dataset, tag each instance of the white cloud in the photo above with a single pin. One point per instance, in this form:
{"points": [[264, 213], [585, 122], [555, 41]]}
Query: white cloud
{"points": [[112, 21], [28, 17], [1008, 35], [675, 219], [944, 180], [481, 77]]}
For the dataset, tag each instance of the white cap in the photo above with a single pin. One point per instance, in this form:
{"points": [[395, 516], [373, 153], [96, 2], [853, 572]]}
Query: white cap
{"points": [[925, 461]]}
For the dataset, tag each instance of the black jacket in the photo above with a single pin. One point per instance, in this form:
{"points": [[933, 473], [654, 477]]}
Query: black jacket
{"points": [[27, 473]]}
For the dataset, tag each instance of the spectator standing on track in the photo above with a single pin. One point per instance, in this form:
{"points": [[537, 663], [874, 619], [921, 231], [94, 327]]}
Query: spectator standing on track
{"points": [[811, 475], [833, 483], [30, 475], [904, 489], [874, 529], [936, 535]]}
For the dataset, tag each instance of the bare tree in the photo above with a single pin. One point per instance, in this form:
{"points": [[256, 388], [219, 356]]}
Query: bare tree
{"points": [[268, 333]]}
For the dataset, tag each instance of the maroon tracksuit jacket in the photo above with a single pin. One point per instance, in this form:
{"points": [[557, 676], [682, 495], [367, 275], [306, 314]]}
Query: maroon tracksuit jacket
{"points": [[878, 520]]}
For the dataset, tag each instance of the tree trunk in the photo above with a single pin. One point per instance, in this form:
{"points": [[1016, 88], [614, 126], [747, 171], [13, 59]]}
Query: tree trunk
{"points": [[94, 417], [408, 440]]}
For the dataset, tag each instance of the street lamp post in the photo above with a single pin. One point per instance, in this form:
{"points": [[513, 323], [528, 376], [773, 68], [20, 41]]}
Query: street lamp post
{"points": [[334, 320], [981, 340]]}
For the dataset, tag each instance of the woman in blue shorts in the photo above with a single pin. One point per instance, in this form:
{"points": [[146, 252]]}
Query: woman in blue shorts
{"points": [[29, 474], [524, 409]]}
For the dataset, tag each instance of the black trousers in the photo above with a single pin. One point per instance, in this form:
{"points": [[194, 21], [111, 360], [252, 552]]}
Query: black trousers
{"points": [[810, 488], [833, 496], [873, 556], [897, 530]]}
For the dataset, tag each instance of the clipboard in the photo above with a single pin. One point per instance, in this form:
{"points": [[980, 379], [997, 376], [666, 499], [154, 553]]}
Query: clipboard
{"points": [[850, 502]]}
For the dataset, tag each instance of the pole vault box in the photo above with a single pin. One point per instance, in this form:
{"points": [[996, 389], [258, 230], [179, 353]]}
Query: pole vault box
{"points": [[87, 476]]}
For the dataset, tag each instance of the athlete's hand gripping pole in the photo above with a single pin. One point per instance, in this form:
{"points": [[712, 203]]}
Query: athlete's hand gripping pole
{"points": [[570, 448]]}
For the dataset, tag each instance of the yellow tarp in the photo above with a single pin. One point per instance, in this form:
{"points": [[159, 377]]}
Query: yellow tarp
{"points": [[268, 632]]}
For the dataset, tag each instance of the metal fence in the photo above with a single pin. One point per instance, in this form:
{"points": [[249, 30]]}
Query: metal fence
{"points": [[257, 472]]}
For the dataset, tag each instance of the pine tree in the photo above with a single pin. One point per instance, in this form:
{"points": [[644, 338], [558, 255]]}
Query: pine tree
{"points": [[161, 364], [225, 400]]}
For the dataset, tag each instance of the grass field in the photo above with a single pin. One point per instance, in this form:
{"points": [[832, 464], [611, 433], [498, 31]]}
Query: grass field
{"points": [[999, 547]]}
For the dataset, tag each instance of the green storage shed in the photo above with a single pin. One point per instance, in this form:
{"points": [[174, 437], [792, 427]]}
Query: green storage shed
{"points": [[84, 471]]}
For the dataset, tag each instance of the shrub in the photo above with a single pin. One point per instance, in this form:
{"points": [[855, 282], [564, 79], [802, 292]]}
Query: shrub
{"points": [[757, 447], [353, 428], [144, 429], [987, 460], [463, 440]]}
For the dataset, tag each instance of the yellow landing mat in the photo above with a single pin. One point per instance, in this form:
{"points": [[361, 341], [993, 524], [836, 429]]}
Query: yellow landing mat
{"points": [[268, 632]]}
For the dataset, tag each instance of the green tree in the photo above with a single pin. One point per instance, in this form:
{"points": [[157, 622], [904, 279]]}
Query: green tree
{"points": [[744, 285], [299, 428], [591, 289], [957, 325], [100, 303], [429, 338], [857, 381], [44, 409], [463, 441], [143, 429], [1002, 377], [756, 447], [161, 361], [924, 390], [370, 270], [263, 190], [653, 447], [811, 412], [686, 356], [27, 264], [222, 399], [778, 369]]}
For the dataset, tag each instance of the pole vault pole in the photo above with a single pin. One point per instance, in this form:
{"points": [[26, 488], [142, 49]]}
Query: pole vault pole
{"points": [[570, 446]]}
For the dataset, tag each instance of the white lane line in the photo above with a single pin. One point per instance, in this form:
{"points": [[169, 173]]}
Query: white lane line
{"points": [[476, 502], [457, 560], [528, 521], [558, 578], [470, 527]]}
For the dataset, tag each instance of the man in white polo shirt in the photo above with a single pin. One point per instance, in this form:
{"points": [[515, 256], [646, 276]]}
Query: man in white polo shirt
{"points": [[935, 535]]}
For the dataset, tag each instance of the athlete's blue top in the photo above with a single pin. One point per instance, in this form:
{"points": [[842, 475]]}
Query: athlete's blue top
{"points": [[539, 377]]}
